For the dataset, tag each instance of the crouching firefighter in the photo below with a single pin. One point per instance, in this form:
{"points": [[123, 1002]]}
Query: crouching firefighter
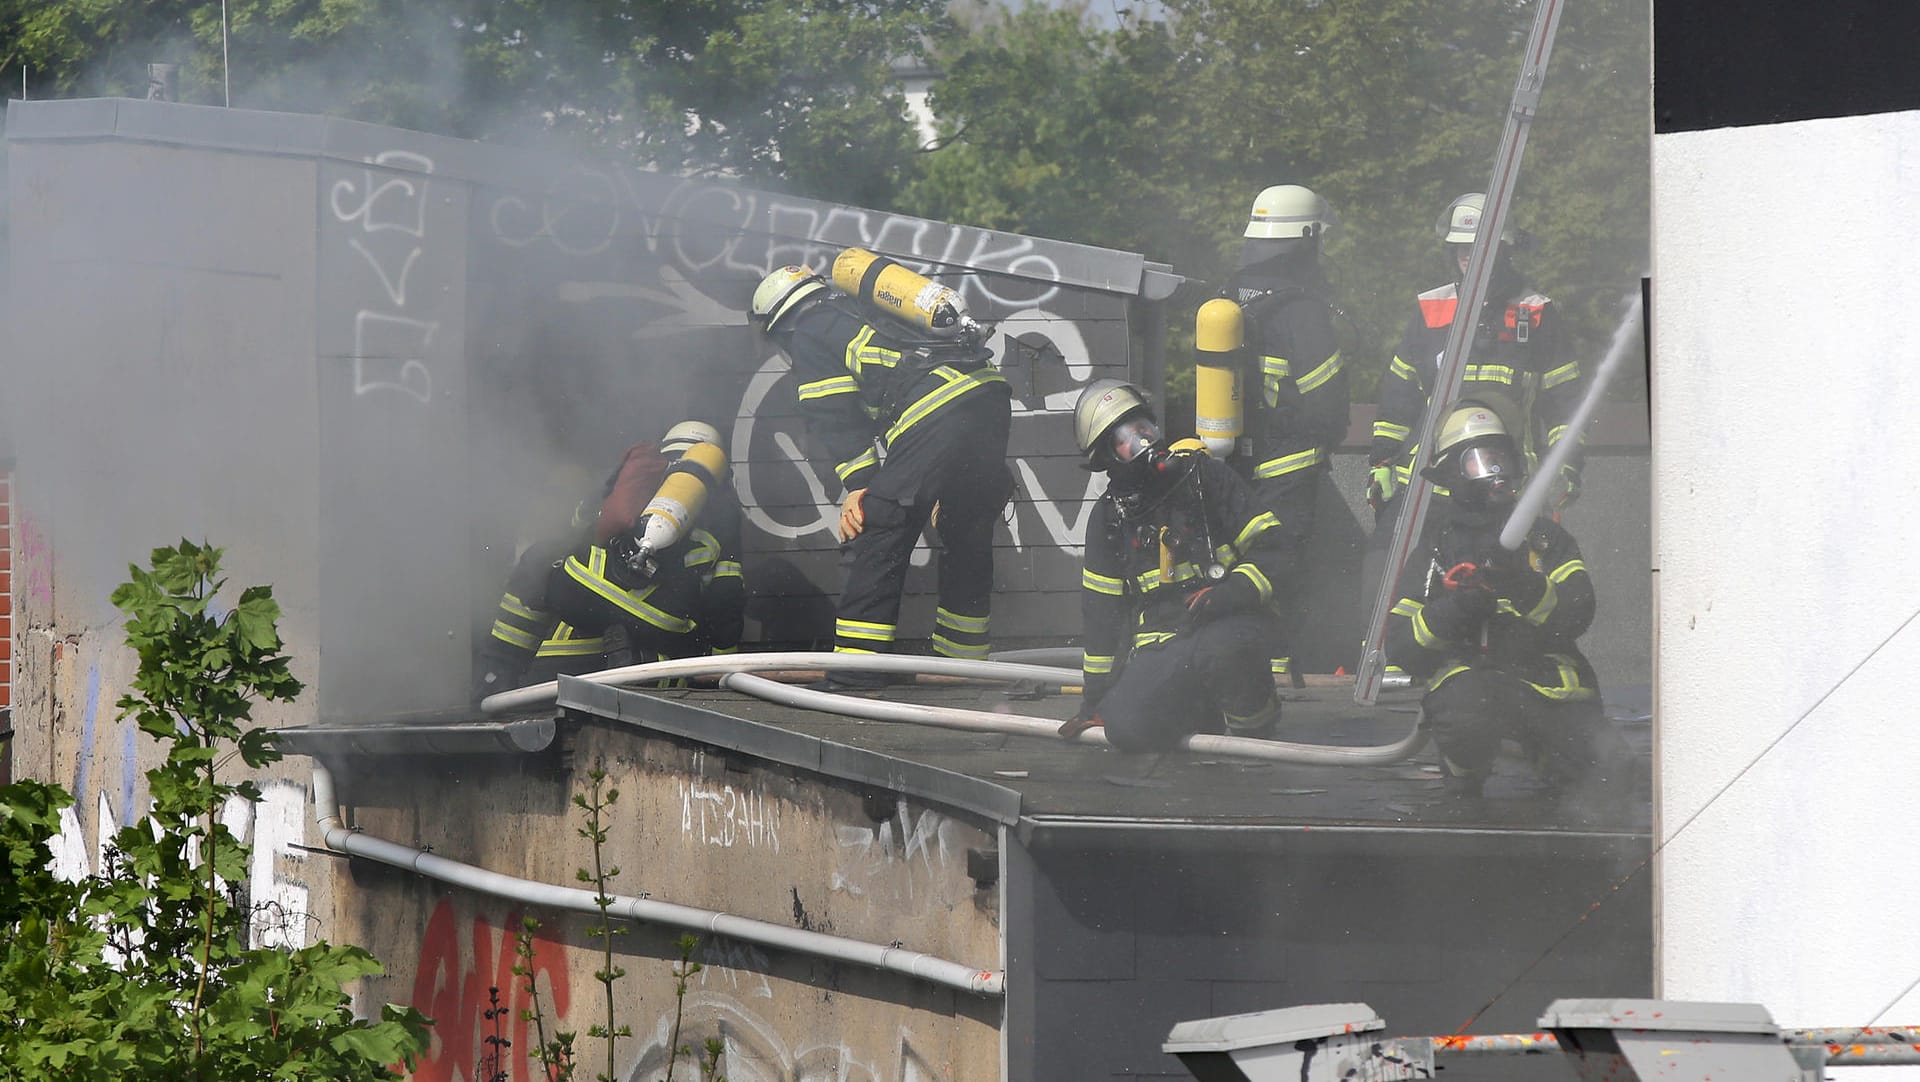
{"points": [[1493, 633], [938, 411], [653, 573], [1181, 557]]}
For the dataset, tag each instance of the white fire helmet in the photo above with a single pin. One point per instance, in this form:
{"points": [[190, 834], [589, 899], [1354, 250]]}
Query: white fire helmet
{"points": [[782, 291], [1289, 210]]}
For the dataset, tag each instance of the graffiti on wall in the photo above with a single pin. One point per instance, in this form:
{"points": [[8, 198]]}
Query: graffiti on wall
{"points": [[387, 212], [34, 573], [276, 891], [755, 1051], [925, 845], [461, 978], [465, 982], [671, 257], [727, 815]]}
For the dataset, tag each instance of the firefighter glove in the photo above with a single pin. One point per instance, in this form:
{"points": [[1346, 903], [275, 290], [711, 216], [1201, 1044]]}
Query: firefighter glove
{"points": [[1569, 488], [1232, 595], [1381, 484], [853, 514], [1087, 718]]}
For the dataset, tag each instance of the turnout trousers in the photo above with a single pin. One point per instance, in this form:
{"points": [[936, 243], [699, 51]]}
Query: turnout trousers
{"points": [[596, 608], [1571, 743], [956, 458], [1193, 683], [1293, 499]]}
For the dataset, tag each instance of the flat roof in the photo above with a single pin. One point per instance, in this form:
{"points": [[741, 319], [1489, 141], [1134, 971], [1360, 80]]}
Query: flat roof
{"points": [[1043, 783]]}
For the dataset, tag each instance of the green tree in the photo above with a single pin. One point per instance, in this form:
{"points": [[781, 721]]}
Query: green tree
{"points": [[799, 94], [143, 971], [1155, 135]]}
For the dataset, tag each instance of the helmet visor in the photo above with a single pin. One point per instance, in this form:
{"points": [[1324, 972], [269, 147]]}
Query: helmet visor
{"points": [[1489, 465], [1131, 438]]}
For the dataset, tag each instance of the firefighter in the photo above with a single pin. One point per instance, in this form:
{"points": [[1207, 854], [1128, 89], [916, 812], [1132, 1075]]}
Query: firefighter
{"points": [[939, 412], [572, 604], [1179, 571], [1492, 633], [1517, 353], [1299, 415]]}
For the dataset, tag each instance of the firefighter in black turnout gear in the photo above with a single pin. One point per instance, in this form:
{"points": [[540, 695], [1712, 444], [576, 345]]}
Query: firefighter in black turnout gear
{"points": [[913, 427], [1298, 414], [1179, 571], [1517, 353], [574, 605], [1493, 634]]}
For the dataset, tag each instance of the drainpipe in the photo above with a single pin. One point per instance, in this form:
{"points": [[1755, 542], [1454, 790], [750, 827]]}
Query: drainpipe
{"points": [[340, 839]]}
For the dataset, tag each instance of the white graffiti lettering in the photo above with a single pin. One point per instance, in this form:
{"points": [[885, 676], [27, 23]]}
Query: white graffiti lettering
{"points": [[409, 216], [755, 1051], [926, 847], [273, 827], [725, 816], [388, 353], [389, 346]]}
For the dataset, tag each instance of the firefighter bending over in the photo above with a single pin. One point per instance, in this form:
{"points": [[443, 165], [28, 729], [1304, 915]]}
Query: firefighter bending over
{"points": [[1493, 633], [650, 571], [940, 413], [1179, 570]]}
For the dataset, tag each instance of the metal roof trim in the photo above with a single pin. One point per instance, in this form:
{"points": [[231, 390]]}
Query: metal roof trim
{"points": [[773, 744], [406, 151], [522, 736]]}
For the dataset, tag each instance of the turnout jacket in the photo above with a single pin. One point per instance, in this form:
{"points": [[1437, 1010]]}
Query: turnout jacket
{"points": [[699, 589], [859, 387], [1300, 414], [1524, 623], [1149, 552], [1517, 352]]}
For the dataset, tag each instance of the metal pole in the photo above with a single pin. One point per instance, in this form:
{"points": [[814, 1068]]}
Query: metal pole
{"points": [[1453, 362], [226, 73]]}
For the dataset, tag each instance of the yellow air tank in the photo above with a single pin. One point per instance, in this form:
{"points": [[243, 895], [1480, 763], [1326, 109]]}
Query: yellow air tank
{"points": [[1219, 417], [913, 299], [681, 498]]}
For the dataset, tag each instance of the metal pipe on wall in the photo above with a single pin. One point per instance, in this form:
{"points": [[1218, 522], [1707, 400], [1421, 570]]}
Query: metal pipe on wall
{"points": [[337, 837]]}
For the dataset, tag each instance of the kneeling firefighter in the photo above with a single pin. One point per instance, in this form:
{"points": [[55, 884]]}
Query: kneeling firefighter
{"points": [[1181, 556], [930, 401], [653, 573], [1492, 632]]}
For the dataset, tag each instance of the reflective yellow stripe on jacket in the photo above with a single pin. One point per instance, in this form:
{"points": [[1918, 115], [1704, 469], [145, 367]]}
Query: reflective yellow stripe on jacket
{"points": [[954, 383], [593, 575]]}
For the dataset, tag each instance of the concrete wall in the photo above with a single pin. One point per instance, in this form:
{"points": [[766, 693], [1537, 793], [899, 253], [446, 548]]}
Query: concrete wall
{"points": [[1784, 268], [698, 829], [163, 274]]}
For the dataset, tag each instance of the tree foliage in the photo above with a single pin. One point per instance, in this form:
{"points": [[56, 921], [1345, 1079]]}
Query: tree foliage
{"points": [[1155, 134], [143, 971], [789, 93]]}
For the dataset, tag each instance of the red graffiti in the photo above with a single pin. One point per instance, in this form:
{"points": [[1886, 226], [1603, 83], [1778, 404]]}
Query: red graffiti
{"points": [[451, 987]]}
